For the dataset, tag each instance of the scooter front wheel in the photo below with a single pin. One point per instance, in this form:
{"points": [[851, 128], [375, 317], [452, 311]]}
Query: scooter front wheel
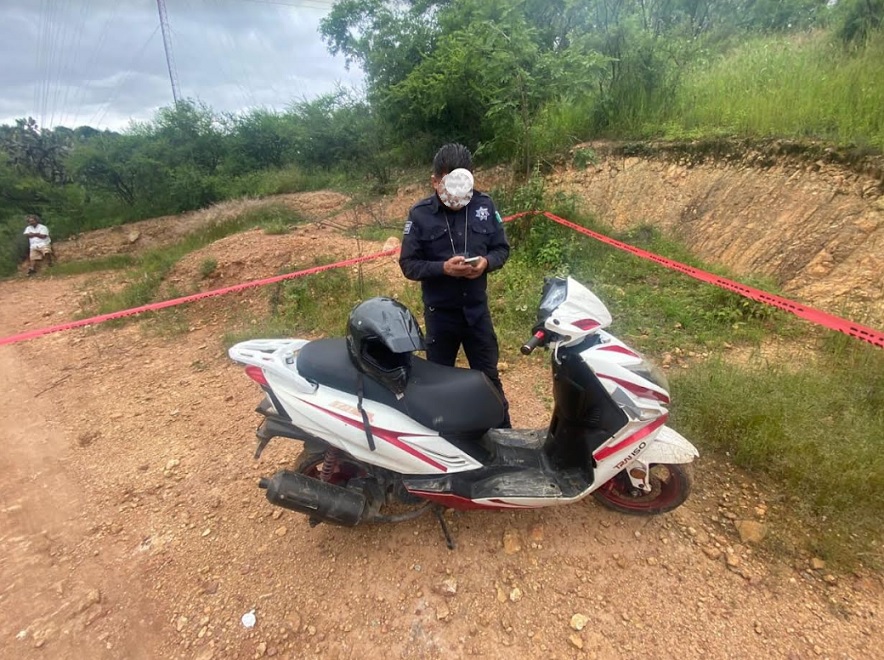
{"points": [[670, 487]]}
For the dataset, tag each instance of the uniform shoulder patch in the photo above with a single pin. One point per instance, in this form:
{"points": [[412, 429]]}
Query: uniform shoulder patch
{"points": [[407, 227], [497, 215]]}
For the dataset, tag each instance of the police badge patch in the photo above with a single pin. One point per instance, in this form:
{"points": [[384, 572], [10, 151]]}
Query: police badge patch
{"points": [[482, 213], [407, 227]]}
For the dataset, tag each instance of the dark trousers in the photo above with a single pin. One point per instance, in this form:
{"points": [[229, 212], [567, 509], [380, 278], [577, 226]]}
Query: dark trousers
{"points": [[448, 330]]}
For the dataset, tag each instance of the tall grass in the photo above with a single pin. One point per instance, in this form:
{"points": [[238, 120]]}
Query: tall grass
{"points": [[807, 86], [290, 179], [815, 429], [558, 126], [110, 262], [656, 309], [319, 305]]}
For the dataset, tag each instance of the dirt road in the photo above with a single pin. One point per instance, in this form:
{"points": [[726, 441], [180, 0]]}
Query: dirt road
{"points": [[131, 527], [58, 587]]}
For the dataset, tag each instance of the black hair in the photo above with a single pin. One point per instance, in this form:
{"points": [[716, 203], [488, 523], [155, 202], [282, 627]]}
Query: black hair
{"points": [[450, 157]]}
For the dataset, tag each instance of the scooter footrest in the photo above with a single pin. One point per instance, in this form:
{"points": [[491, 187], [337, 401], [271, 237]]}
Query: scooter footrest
{"points": [[528, 439], [519, 483]]}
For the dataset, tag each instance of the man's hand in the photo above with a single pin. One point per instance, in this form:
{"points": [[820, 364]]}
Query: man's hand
{"points": [[477, 269], [455, 267]]}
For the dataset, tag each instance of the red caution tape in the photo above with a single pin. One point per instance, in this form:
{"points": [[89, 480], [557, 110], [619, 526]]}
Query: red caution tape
{"points": [[32, 334], [864, 333], [874, 337]]}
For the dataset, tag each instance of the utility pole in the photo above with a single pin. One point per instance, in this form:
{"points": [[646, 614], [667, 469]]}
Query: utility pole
{"points": [[167, 44]]}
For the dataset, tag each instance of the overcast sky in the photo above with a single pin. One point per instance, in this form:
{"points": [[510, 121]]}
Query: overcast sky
{"points": [[102, 63]]}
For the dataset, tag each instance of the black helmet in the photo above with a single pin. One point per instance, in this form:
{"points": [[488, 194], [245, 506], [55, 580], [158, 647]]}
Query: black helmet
{"points": [[381, 334]]}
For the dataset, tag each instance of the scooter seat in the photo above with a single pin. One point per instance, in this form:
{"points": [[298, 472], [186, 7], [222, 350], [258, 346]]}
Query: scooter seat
{"points": [[445, 399]]}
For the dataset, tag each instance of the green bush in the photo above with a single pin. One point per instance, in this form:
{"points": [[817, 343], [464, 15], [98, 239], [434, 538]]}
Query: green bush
{"points": [[207, 267], [584, 157]]}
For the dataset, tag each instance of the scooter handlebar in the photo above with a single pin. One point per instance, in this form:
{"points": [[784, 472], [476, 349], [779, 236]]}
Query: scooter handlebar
{"points": [[529, 346]]}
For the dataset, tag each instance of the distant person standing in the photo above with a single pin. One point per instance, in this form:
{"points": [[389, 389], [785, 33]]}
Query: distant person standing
{"points": [[40, 243]]}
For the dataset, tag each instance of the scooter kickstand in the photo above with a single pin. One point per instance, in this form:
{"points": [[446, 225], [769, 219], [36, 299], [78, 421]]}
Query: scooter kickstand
{"points": [[448, 540]]}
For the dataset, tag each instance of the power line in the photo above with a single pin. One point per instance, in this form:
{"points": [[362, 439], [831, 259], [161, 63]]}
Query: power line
{"points": [[83, 90], [60, 35], [39, 62], [100, 114], [73, 60], [61, 40]]}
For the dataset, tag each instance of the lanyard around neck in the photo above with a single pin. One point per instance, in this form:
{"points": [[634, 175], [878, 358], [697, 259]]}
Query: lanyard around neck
{"points": [[466, 233]]}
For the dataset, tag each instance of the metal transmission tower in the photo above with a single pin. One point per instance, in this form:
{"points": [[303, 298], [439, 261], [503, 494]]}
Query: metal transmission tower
{"points": [[167, 44]]}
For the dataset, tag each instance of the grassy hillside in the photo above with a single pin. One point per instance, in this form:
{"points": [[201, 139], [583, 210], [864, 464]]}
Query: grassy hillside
{"points": [[798, 86]]}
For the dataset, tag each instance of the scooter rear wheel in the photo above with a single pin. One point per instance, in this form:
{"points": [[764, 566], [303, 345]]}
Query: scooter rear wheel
{"points": [[670, 487], [310, 465]]}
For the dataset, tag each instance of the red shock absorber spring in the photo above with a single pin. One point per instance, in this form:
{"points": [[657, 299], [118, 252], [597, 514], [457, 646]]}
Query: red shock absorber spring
{"points": [[329, 464]]}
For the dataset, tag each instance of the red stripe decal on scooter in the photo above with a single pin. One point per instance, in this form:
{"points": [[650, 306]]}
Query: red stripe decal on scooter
{"points": [[453, 501], [638, 390], [614, 348], [512, 506], [384, 434], [643, 432], [587, 324]]}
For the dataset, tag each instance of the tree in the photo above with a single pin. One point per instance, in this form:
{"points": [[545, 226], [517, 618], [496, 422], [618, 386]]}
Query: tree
{"points": [[387, 39], [260, 139], [478, 71], [186, 134], [330, 130], [35, 151], [859, 19], [108, 164]]}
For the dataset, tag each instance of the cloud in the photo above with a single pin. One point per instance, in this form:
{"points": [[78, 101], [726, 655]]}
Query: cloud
{"points": [[102, 62]]}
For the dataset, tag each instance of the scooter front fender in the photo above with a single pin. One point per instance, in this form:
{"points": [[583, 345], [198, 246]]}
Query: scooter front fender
{"points": [[669, 446]]}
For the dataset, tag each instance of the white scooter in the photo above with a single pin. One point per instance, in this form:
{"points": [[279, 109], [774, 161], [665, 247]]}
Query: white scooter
{"points": [[370, 447]]}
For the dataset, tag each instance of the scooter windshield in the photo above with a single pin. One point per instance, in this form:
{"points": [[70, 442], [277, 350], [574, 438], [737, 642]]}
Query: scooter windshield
{"points": [[555, 292], [581, 309], [569, 309]]}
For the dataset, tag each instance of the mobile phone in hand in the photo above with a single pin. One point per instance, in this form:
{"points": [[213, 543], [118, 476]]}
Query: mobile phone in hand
{"points": [[472, 261]]}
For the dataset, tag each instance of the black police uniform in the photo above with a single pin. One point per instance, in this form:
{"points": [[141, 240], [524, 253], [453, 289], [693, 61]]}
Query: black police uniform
{"points": [[456, 309]]}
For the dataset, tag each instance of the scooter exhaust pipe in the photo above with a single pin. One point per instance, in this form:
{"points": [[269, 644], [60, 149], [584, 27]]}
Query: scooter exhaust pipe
{"points": [[318, 499]]}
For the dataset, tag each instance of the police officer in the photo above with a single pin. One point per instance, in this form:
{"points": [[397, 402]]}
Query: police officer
{"points": [[451, 241]]}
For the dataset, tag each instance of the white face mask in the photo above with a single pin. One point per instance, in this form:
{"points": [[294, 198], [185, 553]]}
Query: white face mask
{"points": [[456, 189]]}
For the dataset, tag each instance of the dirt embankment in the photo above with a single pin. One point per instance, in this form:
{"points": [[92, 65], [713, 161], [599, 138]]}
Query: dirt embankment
{"points": [[136, 237], [810, 218]]}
